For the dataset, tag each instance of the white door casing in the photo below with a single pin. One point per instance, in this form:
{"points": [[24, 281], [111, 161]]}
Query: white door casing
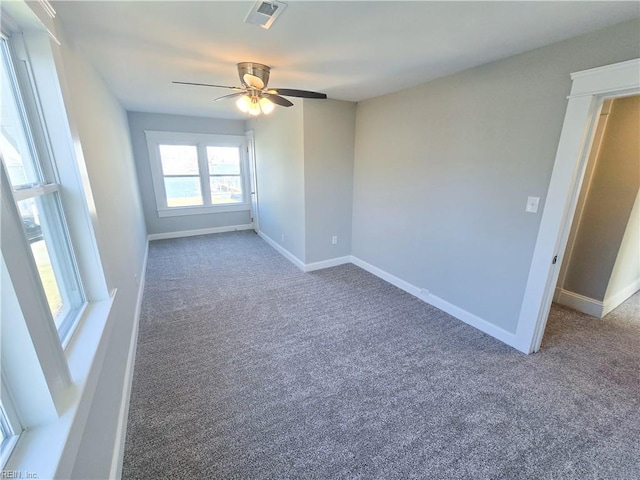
{"points": [[589, 90], [253, 181]]}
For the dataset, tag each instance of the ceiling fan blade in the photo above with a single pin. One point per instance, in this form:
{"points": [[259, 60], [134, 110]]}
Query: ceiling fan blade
{"points": [[231, 95], [209, 85], [289, 92], [277, 99]]}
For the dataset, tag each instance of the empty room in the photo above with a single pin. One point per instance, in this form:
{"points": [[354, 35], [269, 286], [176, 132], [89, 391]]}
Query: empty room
{"points": [[320, 239]]}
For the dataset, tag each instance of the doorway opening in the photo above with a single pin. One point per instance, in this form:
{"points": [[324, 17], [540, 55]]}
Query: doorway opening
{"points": [[601, 267], [590, 89]]}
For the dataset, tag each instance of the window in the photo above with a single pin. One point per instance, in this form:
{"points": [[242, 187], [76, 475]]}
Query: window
{"points": [[198, 173], [10, 427], [51, 273], [181, 175], [32, 174], [225, 180]]}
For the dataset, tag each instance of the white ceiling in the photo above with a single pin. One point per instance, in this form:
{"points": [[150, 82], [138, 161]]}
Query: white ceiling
{"points": [[348, 50]]}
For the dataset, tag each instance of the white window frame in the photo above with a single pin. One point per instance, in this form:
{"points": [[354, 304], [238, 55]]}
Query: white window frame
{"points": [[49, 383], [201, 141], [62, 255], [9, 423]]}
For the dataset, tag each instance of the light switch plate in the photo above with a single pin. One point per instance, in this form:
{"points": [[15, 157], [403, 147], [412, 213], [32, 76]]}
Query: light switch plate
{"points": [[532, 204]]}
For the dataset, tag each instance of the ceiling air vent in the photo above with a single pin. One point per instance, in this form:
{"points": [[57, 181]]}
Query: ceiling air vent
{"points": [[264, 13]]}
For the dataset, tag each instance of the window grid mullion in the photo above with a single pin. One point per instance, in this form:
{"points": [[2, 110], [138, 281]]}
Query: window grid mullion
{"points": [[203, 164], [37, 191], [175, 175]]}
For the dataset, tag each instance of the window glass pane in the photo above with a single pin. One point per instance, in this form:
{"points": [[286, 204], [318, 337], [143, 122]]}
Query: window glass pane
{"points": [[183, 191], [226, 189], [42, 225], [8, 431], [14, 142], [223, 160], [179, 159]]}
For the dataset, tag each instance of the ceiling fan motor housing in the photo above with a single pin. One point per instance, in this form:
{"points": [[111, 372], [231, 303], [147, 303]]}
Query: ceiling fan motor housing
{"points": [[249, 71]]}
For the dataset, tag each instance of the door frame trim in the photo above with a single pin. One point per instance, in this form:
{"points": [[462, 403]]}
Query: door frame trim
{"points": [[589, 90], [253, 180]]}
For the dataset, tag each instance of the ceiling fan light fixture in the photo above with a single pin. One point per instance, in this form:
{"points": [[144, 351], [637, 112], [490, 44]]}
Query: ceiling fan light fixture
{"points": [[244, 103], [254, 107], [253, 74], [266, 105], [253, 81], [254, 97]]}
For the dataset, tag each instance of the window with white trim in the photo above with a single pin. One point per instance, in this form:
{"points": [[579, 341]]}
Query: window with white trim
{"points": [[55, 297], [198, 173], [10, 427], [27, 159]]}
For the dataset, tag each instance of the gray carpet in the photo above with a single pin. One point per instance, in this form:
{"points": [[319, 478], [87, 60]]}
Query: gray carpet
{"points": [[248, 368]]}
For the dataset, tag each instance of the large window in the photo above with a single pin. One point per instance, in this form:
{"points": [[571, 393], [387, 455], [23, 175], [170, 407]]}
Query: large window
{"points": [[32, 174], [198, 173], [55, 297]]}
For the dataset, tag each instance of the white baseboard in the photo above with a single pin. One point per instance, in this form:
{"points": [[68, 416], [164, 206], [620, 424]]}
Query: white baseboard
{"points": [[121, 431], [201, 231], [613, 301], [441, 304], [305, 267], [504, 336], [332, 262], [387, 277], [283, 251], [580, 303]]}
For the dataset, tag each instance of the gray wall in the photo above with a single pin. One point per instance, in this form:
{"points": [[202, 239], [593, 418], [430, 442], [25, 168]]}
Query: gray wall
{"points": [[607, 214], [329, 132], [122, 241], [138, 123], [442, 172], [304, 160], [279, 145]]}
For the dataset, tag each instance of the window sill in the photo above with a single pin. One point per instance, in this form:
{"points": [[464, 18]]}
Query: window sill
{"points": [[202, 210], [49, 450]]}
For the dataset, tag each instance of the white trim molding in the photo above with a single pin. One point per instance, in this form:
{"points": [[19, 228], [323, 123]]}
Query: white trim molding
{"points": [[613, 301], [619, 79], [589, 90], [332, 262], [202, 210], [578, 302], [441, 304], [433, 300], [305, 267], [200, 142], [593, 307], [121, 430], [201, 231], [283, 251]]}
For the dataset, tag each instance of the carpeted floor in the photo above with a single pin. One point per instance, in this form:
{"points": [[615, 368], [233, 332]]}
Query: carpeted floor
{"points": [[249, 368]]}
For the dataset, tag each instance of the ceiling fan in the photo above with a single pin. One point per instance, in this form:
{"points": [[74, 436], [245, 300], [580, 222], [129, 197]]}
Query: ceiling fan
{"points": [[254, 96]]}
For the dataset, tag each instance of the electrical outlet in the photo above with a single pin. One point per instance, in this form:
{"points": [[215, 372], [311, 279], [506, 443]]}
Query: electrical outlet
{"points": [[283, 238], [334, 240], [424, 291]]}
